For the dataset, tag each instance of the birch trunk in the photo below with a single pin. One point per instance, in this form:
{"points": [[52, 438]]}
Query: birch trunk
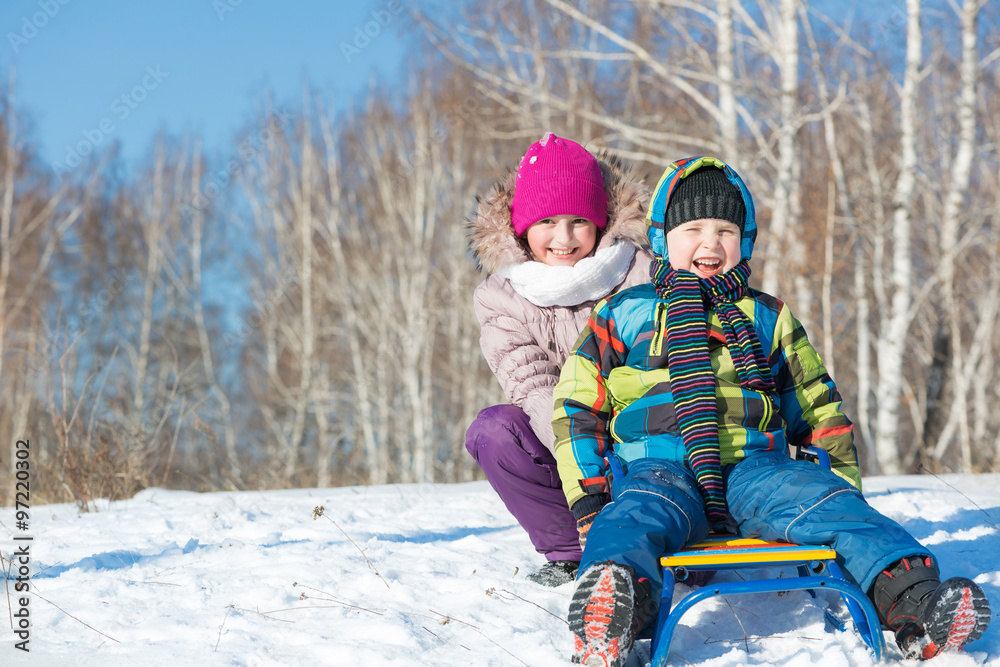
{"points": [[307, 334], [874, 279], [152, 229], [836, 196], [896, 327], [827, 296], [725, 71], [204, 341], [324, 451], [415, 337], [345, 300], [957, 191], [784, 249], [986, 396]]}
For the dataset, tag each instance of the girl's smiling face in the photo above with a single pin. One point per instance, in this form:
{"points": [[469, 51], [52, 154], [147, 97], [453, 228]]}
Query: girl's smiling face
{"points": [[706, 247], [562, 240]]}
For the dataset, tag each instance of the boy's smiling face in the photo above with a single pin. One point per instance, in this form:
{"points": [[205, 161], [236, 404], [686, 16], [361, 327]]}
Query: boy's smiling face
{"points": [[706, 247]]}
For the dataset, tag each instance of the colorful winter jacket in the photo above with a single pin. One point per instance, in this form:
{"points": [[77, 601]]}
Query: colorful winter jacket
{"points": [[525, 344], [611, 399]]}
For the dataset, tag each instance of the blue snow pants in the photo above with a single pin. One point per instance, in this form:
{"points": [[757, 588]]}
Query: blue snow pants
{"points": [[657, 508]]}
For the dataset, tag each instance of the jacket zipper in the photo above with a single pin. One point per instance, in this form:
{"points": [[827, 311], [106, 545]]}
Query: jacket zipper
{"points": [[658, 330]]}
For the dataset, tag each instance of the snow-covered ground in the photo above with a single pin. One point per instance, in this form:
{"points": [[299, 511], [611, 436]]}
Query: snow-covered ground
{"points": [[177, 578]]}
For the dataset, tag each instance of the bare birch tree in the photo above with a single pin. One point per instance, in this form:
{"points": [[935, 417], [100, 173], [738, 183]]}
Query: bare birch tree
{"points": [[958, 186], [348, 303], [783, 246], [281, 189], [34, 222], [195, 297], [896, 324]]}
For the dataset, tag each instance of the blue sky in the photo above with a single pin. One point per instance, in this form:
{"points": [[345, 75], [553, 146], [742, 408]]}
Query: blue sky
{"points": [[91, 72]]}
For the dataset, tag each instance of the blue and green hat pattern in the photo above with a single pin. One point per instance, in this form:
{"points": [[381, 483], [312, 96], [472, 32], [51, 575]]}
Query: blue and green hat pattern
{"points": [[656, 216]]}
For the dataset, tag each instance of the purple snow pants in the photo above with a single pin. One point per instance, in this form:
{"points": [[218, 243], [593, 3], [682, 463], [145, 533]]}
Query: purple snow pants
{"points": [[523, 473]]}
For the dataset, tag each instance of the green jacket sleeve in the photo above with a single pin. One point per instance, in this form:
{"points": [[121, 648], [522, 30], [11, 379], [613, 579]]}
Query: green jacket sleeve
{"points": [[583, 407], [809, 400]]}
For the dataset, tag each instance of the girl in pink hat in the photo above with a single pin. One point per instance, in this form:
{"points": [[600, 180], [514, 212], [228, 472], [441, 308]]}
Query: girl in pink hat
{"points": [[561, 233]]}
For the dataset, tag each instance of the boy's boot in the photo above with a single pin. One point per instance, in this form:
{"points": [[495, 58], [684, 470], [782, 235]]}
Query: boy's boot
{"points": [[927, 615], [605, 614], [555, 573]]}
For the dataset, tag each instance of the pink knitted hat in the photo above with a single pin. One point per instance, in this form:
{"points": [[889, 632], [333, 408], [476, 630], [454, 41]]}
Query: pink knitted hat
{"points": [[558, 177]]}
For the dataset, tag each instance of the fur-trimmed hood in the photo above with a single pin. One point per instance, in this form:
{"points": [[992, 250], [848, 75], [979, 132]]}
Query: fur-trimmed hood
{"points": [[490, 231]]}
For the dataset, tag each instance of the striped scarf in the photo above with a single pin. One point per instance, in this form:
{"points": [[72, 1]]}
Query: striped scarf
{"points": [[692, 381]]}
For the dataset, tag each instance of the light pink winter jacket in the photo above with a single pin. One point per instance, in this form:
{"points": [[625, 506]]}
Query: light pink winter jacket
{"points": [[526, 345]]}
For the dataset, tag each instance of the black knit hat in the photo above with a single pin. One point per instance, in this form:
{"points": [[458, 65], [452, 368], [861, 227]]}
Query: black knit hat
{"points": [[707, 193]]}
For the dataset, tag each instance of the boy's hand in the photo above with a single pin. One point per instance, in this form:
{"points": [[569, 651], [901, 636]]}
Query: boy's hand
{"points": [[586, 510]]}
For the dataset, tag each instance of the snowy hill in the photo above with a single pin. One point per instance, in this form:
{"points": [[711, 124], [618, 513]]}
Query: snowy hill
{"points": [[177, 578]]}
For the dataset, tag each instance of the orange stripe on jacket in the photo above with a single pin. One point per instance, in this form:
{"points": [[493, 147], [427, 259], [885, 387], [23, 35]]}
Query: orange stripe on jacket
{"points": [[602, 395], [829, 432], [604, 335]]}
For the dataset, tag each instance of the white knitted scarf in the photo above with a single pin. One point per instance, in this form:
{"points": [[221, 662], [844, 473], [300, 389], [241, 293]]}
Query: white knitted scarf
{"points": [[590, 279]]}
